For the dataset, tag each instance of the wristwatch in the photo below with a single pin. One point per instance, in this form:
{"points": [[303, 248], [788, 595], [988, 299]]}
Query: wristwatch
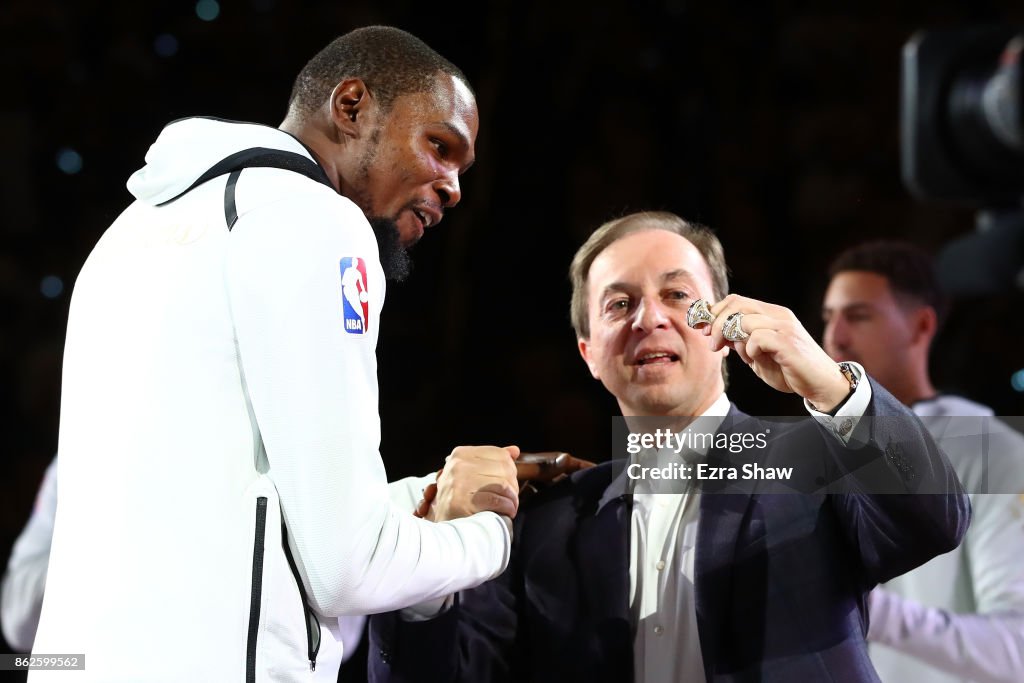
{"points": [[853, 378], [850, 374]]}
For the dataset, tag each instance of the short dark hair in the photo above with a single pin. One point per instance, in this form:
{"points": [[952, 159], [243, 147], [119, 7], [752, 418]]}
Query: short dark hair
{"points": [[909, 269], [389, 61]]}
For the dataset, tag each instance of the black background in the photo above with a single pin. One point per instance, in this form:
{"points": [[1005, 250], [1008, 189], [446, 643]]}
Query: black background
{"points": [[774, 122]]}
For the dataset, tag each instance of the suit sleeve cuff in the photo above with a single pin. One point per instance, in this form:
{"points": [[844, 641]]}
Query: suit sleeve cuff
{"points": [[843, 425], [425, 611]]}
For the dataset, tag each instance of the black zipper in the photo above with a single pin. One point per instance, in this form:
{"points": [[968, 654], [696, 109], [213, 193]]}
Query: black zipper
{"points": [[256, 595], [312, 622]]}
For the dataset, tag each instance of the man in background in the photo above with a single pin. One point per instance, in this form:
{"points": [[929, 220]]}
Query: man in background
{"points": [[959, 617]]}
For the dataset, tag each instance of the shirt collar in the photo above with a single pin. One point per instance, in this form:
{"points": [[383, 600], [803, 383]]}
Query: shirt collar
{"points": [[708, 421]]}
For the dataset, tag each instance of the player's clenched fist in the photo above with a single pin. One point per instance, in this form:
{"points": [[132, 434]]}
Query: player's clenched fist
{"points": [[474, 479]]}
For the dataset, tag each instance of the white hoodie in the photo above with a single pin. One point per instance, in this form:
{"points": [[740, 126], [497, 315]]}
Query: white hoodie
{"points": [[214, 382]]}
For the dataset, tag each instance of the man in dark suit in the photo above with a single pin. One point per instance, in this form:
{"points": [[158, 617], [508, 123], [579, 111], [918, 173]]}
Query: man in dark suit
{"points": [[612, 581]]}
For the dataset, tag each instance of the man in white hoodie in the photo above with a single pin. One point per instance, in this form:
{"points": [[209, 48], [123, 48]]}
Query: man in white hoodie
{"points": [[960, 617], [221, 488]]}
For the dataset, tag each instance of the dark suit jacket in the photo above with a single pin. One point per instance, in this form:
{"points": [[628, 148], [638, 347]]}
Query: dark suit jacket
{"points": [[780, 579]]}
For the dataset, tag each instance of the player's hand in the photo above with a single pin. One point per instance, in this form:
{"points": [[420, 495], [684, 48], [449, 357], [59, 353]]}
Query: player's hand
{"points": [[780, 351], [473, 479], [532, 469]]}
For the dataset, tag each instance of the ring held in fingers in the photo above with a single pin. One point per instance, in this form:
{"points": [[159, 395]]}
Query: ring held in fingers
{"points": [[733, 328], [699, 313]]}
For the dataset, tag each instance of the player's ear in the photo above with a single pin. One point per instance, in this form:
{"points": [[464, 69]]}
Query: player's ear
{"points": [[351, 104]]}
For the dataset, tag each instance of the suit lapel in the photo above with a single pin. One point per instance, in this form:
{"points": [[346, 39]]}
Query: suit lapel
{"points": [[601, 554], [721, 520]]}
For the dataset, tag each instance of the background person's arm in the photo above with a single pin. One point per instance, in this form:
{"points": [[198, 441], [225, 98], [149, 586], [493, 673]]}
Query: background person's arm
{"points": [[25, 578], [986, 645], [984, 648]]}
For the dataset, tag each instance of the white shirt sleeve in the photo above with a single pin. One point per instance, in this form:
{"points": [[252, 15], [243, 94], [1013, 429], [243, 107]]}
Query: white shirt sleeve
{"points": [[313, 387], [25, 578]]}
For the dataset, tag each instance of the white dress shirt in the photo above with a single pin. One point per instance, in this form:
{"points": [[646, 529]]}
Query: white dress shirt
{"points": [[663, 541], [662, 546]]}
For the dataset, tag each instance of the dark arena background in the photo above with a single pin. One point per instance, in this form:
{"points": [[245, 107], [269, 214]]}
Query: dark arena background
{"points": [[776, 123]]}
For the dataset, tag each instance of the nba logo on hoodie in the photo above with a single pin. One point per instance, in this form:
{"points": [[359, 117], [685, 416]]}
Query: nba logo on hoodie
{"points": [[355, 298]]}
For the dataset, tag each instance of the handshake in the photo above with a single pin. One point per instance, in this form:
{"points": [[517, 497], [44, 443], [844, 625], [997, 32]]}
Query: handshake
{"points": [[478, 478]]}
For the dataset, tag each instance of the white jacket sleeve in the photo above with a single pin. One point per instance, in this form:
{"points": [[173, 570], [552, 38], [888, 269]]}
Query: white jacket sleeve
{"points": [[25, 578], [310, 373], [408, 492]]}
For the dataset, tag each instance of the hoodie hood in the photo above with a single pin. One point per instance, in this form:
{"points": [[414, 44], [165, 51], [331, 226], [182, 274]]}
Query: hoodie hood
{"points": [[188, 148]]}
